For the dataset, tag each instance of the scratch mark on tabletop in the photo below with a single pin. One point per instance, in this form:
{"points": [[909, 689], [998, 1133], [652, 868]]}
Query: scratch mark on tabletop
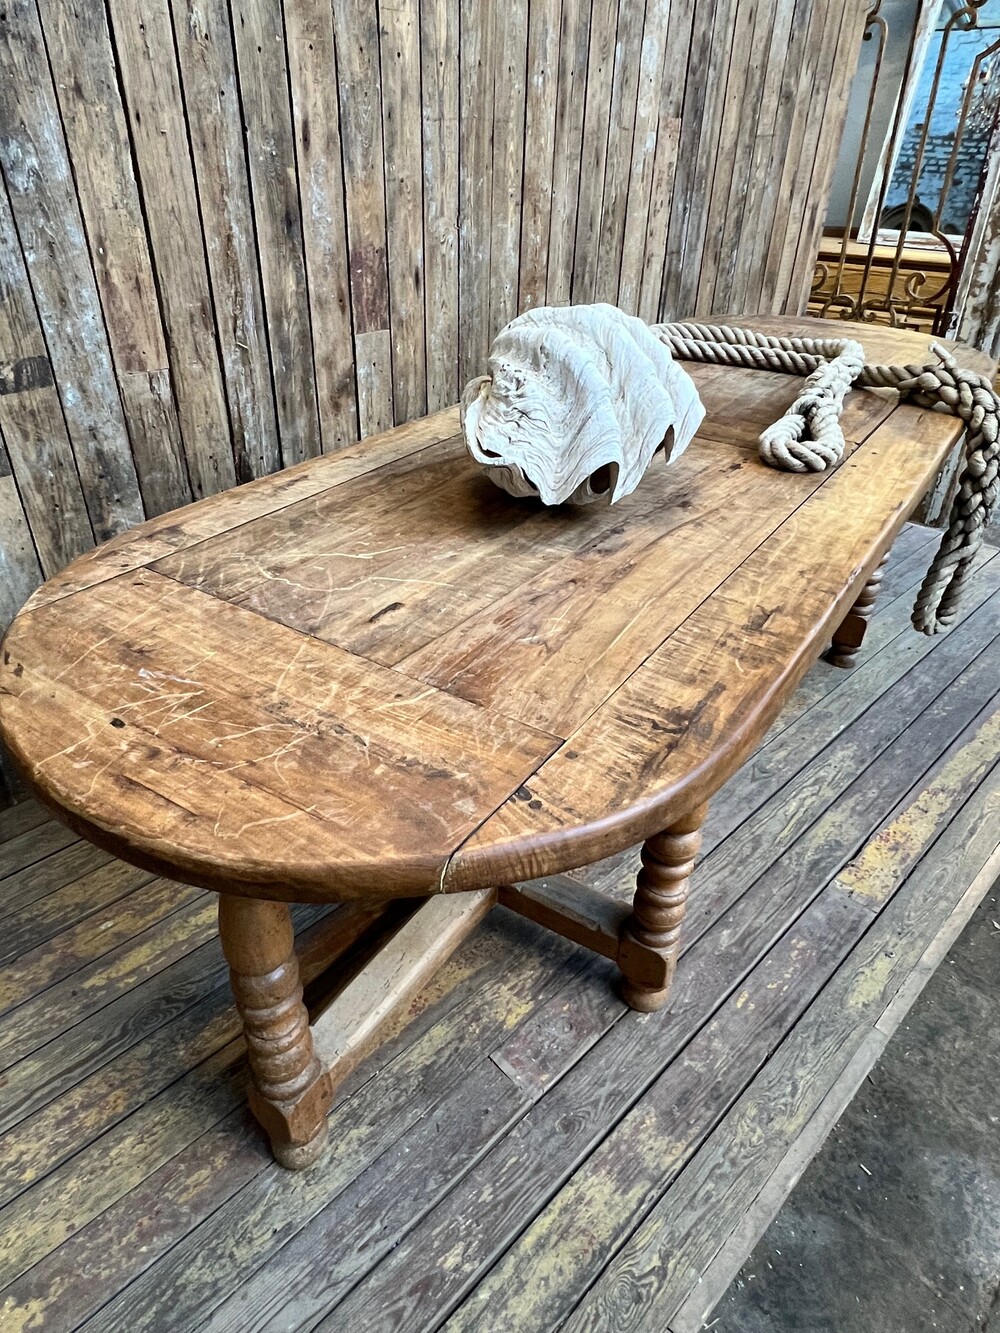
{"points": [[408, 702], [180, 717], [146, 674], [351, 555], [431, 583], [114, 634], [256, 823], [285, 670], [59, 754], [248, 731], [115, 757], [272, 756]]}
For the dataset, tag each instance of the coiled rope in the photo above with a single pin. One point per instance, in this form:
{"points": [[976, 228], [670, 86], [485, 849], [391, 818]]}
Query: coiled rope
{"points": [[809, 438]]}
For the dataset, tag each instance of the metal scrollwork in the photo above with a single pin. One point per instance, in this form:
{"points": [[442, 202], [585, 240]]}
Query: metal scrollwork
{"points": [[899, 265]]}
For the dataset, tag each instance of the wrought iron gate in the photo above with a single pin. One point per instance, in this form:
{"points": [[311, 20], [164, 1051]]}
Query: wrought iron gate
{"points": [[916, 154]]}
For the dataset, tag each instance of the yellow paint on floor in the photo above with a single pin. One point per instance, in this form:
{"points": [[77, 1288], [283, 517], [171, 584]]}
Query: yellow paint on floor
{"points": [[889, 855]]}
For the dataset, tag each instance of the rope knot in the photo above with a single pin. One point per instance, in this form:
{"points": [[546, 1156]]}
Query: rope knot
{"points": [[809, 438]]}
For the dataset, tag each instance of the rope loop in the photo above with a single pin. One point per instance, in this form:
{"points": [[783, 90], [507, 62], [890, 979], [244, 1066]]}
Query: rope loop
{"points": [[809, 437]]}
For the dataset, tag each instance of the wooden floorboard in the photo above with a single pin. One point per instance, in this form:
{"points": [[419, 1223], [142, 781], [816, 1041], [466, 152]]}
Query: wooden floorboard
{"points": [[526, 1153], [33, 845], [800, 1130], [665, 1258], [21, 817]]}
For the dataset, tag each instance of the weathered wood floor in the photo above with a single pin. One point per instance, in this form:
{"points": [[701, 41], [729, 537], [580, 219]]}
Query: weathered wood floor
{"points": [[527, 1154]]}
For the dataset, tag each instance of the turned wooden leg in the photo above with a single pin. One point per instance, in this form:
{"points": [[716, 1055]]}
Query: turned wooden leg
{"points": [[290, 1094], [651, 937], [849, 637]]}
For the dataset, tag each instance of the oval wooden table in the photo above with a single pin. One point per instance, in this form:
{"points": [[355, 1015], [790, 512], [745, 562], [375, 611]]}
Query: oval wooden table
{"points": [[376, 677]]}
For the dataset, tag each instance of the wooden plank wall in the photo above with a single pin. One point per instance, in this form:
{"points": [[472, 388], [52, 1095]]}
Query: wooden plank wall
{"points": [[235, 236]]}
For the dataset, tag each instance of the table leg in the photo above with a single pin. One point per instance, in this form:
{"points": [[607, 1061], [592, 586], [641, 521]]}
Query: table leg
{"points": [[850, 635], [657, 912], [291, 1092]]}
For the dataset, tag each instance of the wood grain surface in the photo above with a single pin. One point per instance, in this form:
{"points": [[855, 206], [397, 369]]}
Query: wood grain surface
{"points": [[471, 1145], [378, 675], [249, 232]]}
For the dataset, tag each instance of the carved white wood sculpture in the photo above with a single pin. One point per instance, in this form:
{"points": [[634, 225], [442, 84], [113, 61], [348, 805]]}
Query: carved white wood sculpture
{"points": [[577, 402]]}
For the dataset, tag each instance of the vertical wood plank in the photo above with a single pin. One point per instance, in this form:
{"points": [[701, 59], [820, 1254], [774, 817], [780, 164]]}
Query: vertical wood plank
{"points": [[215, 122], [360, 93], [758, 206], [83, 67], [804, 81], [574, 47], [399, 46], [699, 150], [267, 115], [373, 357], [600, 72], [20, 572], [511, 20], [621, 134], [440, 113], [637, 220], [686, 180], [753, 20], [765, 221], [313, 76], [148, 68], [541, 84], [844, 64], [47, 215], [676, 60], [37, 448], [837, 19], [476, 57], [652, 306]]}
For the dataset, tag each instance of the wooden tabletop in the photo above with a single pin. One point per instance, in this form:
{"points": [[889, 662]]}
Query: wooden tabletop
{"points": [[376, 674]]}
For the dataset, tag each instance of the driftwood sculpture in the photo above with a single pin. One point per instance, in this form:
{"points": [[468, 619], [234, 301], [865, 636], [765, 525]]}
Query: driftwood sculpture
{"points": [[577, 403]]}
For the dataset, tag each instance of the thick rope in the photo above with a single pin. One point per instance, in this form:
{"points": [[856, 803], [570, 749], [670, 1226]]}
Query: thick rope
{"points": [[809, 438]]}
